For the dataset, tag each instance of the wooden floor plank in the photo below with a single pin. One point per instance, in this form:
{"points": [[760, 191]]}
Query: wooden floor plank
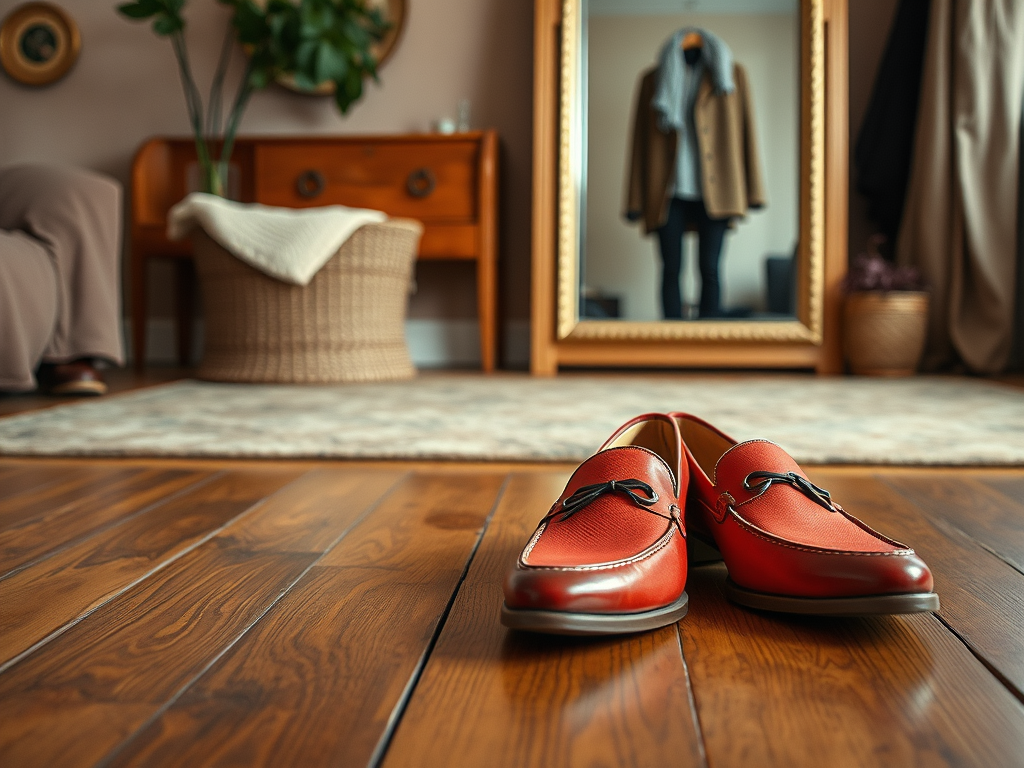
{"points": [[1009, 485], [64, 488], [19, 478], [490, 697], [51, 529], [45, 597], [989, 517], [75, 700], [778, 690], [133, 657], [317, 681], [982, 597]]}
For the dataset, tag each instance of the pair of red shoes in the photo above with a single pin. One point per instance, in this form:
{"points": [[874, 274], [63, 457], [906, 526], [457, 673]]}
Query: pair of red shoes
{"points": [[611, 554]]}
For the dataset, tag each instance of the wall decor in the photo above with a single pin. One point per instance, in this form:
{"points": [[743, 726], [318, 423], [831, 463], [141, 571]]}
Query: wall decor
{"points": [[39, 43], [394, 12]]}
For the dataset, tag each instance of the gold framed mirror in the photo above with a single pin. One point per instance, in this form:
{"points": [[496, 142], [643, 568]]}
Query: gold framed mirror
{"points": [[771, 248]]}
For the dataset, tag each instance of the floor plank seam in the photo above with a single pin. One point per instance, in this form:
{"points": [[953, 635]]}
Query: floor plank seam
{"points": [[112, 755], [109, 526], [56, 511], [380, 751], [114, 595], [694, 714], [950, 527], [1006, 683]]}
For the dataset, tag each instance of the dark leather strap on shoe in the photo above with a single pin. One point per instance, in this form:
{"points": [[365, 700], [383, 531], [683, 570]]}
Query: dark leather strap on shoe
{"points": [[758, 482], [588, 494]]}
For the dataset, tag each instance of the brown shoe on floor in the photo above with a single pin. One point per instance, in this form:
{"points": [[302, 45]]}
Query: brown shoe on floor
{"points": [[78, 377]]}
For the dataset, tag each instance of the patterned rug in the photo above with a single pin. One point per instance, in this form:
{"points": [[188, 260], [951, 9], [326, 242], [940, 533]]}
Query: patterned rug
{"points": [[923, 420]]}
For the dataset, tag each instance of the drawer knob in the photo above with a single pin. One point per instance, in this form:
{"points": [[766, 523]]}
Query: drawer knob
{"points": [[310, 184], [421, 182]]}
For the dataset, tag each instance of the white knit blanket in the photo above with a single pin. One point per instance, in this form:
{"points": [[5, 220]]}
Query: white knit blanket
{"points": [[287, 243]]}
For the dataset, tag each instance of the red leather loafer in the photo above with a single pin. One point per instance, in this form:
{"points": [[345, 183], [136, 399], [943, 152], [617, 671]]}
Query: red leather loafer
{"points": [[788, 546], [610, 555]]}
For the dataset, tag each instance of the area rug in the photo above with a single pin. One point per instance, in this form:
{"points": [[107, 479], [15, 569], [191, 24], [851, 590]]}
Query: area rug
{"points": [[923, 420]]}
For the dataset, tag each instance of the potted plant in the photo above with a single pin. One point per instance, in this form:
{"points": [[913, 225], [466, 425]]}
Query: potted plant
{"points": [[885, 315], [310, 41]]}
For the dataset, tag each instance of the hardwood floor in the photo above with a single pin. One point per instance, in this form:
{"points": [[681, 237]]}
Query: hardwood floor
{"points": [[309, 613], [178, 612]]}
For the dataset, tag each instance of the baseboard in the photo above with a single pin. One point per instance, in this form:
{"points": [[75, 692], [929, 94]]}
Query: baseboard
{"points": [[432, 343]]}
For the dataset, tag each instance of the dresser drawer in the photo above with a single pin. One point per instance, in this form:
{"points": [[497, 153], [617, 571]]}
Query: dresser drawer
{"points": [[432, 181]]}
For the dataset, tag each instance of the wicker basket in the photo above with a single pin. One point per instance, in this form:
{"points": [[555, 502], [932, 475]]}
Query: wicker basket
{"points": [[347, 324], [884, 333]]}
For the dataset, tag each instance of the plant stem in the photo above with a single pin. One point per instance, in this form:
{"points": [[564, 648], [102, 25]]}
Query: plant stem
{"points": [[192, 98], [241, 99], [210, 175], [213, 115]]}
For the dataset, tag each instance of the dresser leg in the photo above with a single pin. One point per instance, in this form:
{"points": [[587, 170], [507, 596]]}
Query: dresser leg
{"points": [[487, 309]]}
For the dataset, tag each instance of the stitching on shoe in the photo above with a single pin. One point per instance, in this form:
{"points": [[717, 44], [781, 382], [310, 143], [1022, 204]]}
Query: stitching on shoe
{"points": [[766, 536], [649, 552], [714, 478], [533, 542], [671, 473]]}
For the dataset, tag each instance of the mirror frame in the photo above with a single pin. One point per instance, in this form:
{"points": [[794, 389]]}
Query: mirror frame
{"points": [[560, 337]]}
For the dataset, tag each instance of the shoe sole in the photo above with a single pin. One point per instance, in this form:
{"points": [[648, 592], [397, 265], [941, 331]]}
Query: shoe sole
{"points": [[564, 623], [869, 605], [79, 388]]}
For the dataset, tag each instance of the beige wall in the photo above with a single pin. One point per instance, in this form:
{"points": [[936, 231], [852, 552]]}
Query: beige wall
{"points": [[619, 258], [125, 88]]}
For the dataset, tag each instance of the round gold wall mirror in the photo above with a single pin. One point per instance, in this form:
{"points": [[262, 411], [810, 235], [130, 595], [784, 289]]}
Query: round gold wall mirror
{"points": [[39, 43], [394, 12]]}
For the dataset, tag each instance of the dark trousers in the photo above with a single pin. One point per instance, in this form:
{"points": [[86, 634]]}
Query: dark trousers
{"points": [[685, 215]]}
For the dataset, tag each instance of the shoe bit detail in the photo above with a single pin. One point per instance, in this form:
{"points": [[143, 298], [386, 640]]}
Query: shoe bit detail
{"points": [[581, 497], [764, 481], [787, 544], [610, 555]]}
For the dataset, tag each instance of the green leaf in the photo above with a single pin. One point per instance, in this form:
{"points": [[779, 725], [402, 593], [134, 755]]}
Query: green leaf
{"points": [[139, 10], [305, 82], [259, 79], [348, 90], [317, 17], [250, 21], [305, 57], [168, 25], [330, 63]]}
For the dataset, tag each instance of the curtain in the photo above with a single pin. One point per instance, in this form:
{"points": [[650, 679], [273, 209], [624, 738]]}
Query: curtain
{"points": [[960, 217], [886, 138]]}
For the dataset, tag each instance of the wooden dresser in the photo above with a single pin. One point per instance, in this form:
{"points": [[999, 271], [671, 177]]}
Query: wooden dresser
{"points": [[449, 183]]}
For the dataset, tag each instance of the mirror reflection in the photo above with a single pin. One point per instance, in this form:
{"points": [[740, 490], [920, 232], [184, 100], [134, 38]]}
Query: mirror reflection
{"points": [[690, 206]]}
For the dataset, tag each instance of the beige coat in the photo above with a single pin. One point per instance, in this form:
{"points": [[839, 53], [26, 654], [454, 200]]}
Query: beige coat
{"points": [[960, 219], [730, 167]]}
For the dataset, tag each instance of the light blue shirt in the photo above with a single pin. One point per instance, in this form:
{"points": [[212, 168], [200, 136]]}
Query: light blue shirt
{"points": [[687, 184]]}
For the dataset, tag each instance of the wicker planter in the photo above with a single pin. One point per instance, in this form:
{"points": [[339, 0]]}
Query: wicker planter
{"points": [[884, 332], [347, 324]]}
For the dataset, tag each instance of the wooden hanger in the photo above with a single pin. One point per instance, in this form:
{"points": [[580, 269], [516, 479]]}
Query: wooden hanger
{"points": [[692, 40]]}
